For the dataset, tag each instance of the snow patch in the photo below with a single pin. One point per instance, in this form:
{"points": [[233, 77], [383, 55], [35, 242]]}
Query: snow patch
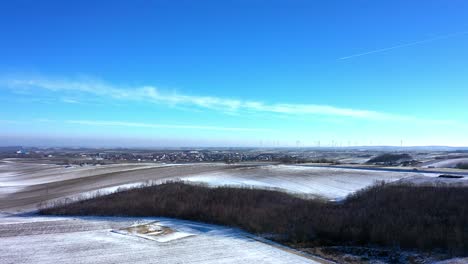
{"points": [[331, 183]]}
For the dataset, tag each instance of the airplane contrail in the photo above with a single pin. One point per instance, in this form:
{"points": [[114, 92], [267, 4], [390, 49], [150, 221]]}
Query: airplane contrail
{"points": [[404, 45]]}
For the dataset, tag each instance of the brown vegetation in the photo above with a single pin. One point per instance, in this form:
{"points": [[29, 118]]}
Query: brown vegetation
{"points": [[410, 217], [390, 158]]}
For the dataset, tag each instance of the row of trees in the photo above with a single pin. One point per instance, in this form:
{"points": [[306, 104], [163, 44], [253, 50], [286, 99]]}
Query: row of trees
{"points": [[411, 217]]}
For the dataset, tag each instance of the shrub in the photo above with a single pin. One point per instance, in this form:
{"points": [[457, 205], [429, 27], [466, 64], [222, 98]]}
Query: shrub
{"points": [[463, 166], [390, 158]]}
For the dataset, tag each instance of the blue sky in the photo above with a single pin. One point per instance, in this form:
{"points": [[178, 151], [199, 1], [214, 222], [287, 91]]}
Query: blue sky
{"points": [[234, 73]]}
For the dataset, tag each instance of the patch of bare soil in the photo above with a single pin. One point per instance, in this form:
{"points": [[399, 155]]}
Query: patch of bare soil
{"points": [[153, 231], [150, 229]]}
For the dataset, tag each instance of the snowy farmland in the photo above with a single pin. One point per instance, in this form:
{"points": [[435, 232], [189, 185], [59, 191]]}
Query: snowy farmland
{"points": [[327, 182], [93, 240], [27, 239], [25, 185], [448, 163]]}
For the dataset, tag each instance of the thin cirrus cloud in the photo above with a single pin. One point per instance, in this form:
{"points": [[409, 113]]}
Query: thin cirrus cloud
{"points": [[69, 101], [151, 125], [105, 123], [154, 95]]}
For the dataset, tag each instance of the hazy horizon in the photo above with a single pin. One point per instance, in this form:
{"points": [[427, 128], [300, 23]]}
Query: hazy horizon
{"points": [[148, 143]]}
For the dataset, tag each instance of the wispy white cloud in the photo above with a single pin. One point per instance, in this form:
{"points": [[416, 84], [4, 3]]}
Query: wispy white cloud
{"points": [[151, 94], [403, 45], [154, 95], [43, 120], [106, 123], [151, 125], [70, 101], [5, 121]]}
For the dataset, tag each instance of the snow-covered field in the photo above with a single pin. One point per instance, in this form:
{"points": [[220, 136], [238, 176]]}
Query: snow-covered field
{"points": [[91, 240], [25, 185], [448, 163], [33, 239], [330, 183]]}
